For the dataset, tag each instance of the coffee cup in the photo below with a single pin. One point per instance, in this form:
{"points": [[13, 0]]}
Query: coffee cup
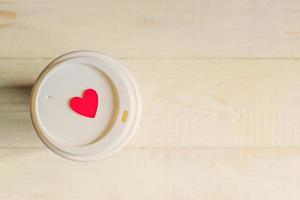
{"points": [[85, 105]]}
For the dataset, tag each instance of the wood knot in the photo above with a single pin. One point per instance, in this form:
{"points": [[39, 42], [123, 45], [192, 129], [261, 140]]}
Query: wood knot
{"points": [[6, 18]]}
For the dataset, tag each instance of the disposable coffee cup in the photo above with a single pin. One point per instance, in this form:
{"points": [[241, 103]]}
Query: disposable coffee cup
{"points": [[85, 105]]}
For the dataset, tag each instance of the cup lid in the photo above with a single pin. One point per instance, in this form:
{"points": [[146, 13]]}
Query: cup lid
{"points": [[85, 105]]}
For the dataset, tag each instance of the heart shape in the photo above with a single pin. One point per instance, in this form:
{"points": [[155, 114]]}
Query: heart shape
{"points": [[87, 105]]}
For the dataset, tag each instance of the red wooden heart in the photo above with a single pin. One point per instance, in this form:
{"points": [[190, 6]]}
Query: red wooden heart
{"points": [[87, 105]]}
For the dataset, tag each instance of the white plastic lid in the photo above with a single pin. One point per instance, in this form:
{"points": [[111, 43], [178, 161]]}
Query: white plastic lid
{"points": [[85, 105]]}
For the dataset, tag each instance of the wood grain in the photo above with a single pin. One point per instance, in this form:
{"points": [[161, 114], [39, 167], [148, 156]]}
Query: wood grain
{"points": [[167, 29], [220, 81], [187, 102], [212, 174]]}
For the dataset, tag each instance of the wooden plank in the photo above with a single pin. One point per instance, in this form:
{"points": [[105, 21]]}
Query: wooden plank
{"points": [[187, 102], [133, 28], [213, 174], [20, 72]]}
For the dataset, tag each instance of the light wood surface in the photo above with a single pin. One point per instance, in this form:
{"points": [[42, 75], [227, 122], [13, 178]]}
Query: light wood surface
{"points": [[151, 28], [220, 81], [153, 173]]}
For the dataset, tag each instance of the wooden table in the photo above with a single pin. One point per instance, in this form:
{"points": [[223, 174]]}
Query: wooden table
{"points": [[220, 81]]}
